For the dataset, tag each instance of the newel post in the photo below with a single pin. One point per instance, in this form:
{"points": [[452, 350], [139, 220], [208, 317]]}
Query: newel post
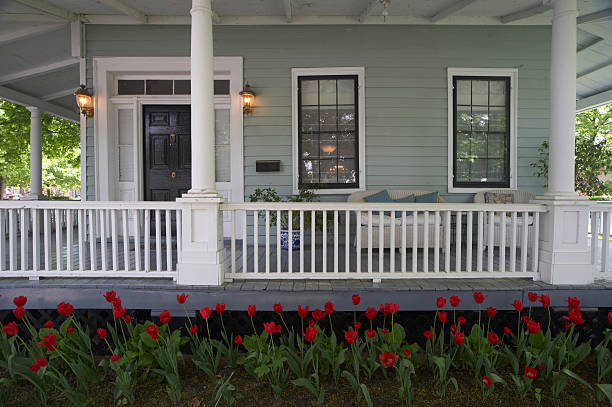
{"points": [[564, 253], [201, 256]]}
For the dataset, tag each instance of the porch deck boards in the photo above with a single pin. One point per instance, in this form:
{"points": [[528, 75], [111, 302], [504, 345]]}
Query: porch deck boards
{"points": [[413, 294]]}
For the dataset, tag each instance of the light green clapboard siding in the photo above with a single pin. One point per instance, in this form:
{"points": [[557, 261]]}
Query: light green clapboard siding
{"points": [[406, 106]]}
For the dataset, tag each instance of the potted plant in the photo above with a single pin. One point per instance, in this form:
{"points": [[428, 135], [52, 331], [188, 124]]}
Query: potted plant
{"points": [[306, 194]]}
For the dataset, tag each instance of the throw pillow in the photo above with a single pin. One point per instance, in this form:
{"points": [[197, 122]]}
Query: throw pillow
{"points": [[406, 199], [379, 197], [431, 197]]}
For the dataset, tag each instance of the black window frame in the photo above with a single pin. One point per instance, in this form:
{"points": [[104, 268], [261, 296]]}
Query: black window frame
{"points": [[487, 184], [352, 185]]}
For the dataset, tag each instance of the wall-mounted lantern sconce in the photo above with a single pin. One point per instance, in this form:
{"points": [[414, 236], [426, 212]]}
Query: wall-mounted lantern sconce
{"points": [[84, 100], [248, 96]]}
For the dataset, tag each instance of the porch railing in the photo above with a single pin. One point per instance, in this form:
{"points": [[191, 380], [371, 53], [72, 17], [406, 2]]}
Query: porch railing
{"points": [[346, 240], [600, 228], [89, 239]]}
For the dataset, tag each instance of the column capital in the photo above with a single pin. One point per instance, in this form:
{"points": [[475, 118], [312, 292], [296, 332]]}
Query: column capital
{"points": [[563, 7], [201, 6], [33, 110]]}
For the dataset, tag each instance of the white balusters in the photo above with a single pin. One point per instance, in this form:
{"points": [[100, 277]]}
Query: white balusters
{"points": [[447, 241], [2, 240], [502, 241], [137, 262], [480, 241], [23, 215], [458, 225], [255, 242], [301, 241], [168, 241], [415, 236], [403, 243], [147, 240], [114, 238], [58, 241], [513, 242], [468, 244], [313, 223], [336, 241], [524, 244], [267, 242], [126, 239], [290, 242], [426, 239], [158, 240]]}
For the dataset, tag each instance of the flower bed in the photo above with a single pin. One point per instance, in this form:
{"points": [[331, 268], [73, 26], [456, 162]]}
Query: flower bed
{"points": [[371, 363]]}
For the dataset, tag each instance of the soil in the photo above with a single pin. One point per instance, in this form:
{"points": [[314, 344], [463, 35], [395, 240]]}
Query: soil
{"points": [[197, 389]]}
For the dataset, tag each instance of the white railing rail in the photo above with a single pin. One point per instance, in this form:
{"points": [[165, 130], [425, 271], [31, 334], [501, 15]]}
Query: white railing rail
{"points": [[600, 228], [423, 240], [89, 239]]}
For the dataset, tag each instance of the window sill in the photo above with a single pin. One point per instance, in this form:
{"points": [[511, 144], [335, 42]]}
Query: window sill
{"points": [[474, 190], [342, 191]]}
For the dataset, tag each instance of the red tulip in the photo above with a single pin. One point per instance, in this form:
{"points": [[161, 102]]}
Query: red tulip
{"points": [[48, 342], [370, 313], [573, 303], [493, 338], [371, 333], [575, 317], [389, 308], [238, 340], [533, 327], [116, 302], [533, 297], [65, 308], [453, 328], [49, 324], [251, 310], [386, 330], [461, 320], [407, 352], [486, 381], [479, 297], [518, 305], [20, 301], [181, 298], [454, 300], [193, 329], [303, 312], [220, 307], [525, 318], [387, 358], [530, 372], [318, 315], [440, 302], [102, 333], [310, 334], [311, 323], [35, 367], [357, 326], [152, 331], [567, 325], [119, 312], [428, 334], [442, 316], [271, 327], [110, 296], [329, 308], [350, 336], [507, 331], [19, 312], [115, 358], [542, 367], [206, 312], [127, 318], [42, 361], [164, 317], [11, 328], [491, 312], [458, 338], [70, 329], [278, 308], [545, 300], [610, 317], [356, 299]]}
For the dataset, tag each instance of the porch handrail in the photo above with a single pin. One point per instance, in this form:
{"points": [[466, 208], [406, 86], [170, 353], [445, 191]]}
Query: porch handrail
{"points": [[25, 204], [330, 206]]}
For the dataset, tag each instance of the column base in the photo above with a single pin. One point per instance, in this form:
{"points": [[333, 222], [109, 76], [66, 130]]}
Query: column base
{"points": [[564, 256], [35, 197], [200, 274]]}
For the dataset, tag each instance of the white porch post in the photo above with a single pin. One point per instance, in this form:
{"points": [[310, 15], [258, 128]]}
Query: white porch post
{"points": [[201, 258], [564, 255], [35, 154]]}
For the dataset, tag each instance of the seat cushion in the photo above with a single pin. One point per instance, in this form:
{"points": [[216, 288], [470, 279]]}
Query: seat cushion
{"points": [[499, 198], [379, 197], [397, 221], [406, 199]]}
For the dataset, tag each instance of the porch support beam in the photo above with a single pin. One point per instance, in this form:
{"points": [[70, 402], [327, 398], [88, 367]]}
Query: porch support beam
{"points": [[35, 154], [28, 100], [28, 32], [37, 71], [522, 14], [595, 100], [201, 255], [564, 256], [126, 9], [50, 8], [597, 17], [588, 44], [450, 10], [594, 69], [288, 8], [58, 94]]}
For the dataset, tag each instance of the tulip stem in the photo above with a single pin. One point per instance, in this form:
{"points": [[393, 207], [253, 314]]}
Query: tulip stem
{"points": [[253, 325]]}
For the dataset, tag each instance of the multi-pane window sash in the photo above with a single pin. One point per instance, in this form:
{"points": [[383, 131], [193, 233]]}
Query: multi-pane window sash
{"points": [[328, 147]]}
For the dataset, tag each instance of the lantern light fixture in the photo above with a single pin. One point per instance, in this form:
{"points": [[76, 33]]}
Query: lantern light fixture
{"points": [[248, 96], [84, 100]]}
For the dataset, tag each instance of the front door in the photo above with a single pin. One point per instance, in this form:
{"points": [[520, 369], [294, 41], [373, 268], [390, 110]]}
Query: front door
{"points": [[167, 155]]}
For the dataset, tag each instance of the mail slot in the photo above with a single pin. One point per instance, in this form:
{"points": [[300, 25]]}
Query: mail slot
{"points": [[267, 165]]}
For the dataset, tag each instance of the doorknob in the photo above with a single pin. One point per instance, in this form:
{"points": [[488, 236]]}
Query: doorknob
{"points": [[173, 137], [173, 174]]}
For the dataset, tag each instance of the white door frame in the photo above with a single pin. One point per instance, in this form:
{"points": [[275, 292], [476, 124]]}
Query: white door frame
{"points": [[105, 72]]}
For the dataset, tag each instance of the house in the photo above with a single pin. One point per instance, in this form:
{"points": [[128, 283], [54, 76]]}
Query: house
{"points": [[445, 96]]}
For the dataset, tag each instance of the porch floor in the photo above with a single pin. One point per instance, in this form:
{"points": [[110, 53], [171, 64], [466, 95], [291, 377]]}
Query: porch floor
{"points": [[410, 294]]}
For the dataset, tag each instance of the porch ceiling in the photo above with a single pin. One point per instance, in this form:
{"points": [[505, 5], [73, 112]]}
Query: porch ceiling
{"points": [[39, 47]]}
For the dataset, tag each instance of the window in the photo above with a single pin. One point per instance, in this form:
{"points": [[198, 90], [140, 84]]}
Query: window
{"points": [[165, 87], [328, 139], [482, 119]]}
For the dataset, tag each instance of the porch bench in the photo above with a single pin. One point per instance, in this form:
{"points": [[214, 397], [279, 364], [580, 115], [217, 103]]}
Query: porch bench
{"points": [[362, 227]]}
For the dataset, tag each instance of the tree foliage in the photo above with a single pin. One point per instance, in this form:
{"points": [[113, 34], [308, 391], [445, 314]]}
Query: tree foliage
{"points": [[60, 148], [593, 157]]}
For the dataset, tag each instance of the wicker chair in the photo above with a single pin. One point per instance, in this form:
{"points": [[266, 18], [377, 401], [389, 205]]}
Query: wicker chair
{"points": [[518, 197]]}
